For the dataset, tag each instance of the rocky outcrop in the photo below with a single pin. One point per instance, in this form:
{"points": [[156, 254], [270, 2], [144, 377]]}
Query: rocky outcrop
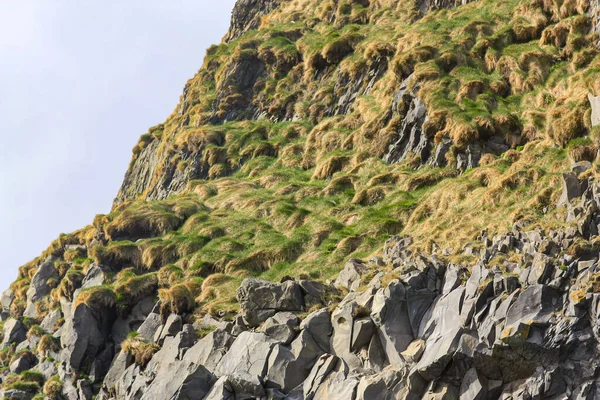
{"points": [[40, 287], [424, 329], [261, 300], [246, 15], [409, 138]]}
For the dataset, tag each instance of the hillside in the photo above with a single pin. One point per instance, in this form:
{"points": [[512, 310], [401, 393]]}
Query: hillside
{"points": [[353, 199]]}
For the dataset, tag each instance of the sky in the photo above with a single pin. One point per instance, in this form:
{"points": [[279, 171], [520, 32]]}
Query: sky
{"points": [[80, 81]]}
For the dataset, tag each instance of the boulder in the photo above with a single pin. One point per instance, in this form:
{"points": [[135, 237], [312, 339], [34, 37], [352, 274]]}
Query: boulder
{"points": [[313, 292], [473, 387], [239, 386], [172, 327], [541, 270], [150, 326], [13, 332], [260, 299], [281, 327], [318, 324], [438, 390], [288, 368], [571, 188], [39, 287], [350, 277], [394, 248], [84, 390], [342, 321], [50, 321], [47, 368], [13, 394], [414, 351], [438, 353], [182, 380], [124, 325], [322, 368], [210, 349], [534, 305], [6, 300], [23, 363], [249, 353], [85, 334], [362, 332], [386, 385], [397, 314]]}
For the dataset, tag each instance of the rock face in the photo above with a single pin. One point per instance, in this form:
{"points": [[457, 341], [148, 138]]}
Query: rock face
{"points": [[85, 335], [519, 320], [422, 329], [246, 15], [409, 137], [261, 300], [530, 332], [39, 285]]}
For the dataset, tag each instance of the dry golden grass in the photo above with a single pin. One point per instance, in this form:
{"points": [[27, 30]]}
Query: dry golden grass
{"points": [[176, 300], [141, 350], [98, 298]]}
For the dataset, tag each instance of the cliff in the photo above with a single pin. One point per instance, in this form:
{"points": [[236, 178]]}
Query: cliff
{"points": [[353, 199]]}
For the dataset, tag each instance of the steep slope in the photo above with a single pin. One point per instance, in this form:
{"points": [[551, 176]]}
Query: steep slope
{"points": [[431, 138]]}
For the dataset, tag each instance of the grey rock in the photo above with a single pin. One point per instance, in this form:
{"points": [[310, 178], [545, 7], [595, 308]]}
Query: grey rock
{"points": [[6, 300], [318, 324], [180, 380], [410, 137], [386, 385], [281, 327], [13, 332], [438, 390], [13, 394], [571, 188], [473, 387], [288, 368], [39, 287], [396, 319], [595, 105], [84, 390], [260, 300], [86, 334], [438, 353], [414, 351], [285, 372], [249, 353], [124, 325], [210, 350], [172, 327], [322, 368], [580, 167], [22, 363], [541, 269], [350, 277], [313, 292], [50, 321], [342, 321], [47, 368], [221, 390], [117, 370], [150, 326], [536, 303], [362, 332], [395, 248]]}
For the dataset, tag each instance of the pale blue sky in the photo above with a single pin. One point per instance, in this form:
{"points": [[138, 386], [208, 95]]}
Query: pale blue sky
{"points": [[80, 81]]}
